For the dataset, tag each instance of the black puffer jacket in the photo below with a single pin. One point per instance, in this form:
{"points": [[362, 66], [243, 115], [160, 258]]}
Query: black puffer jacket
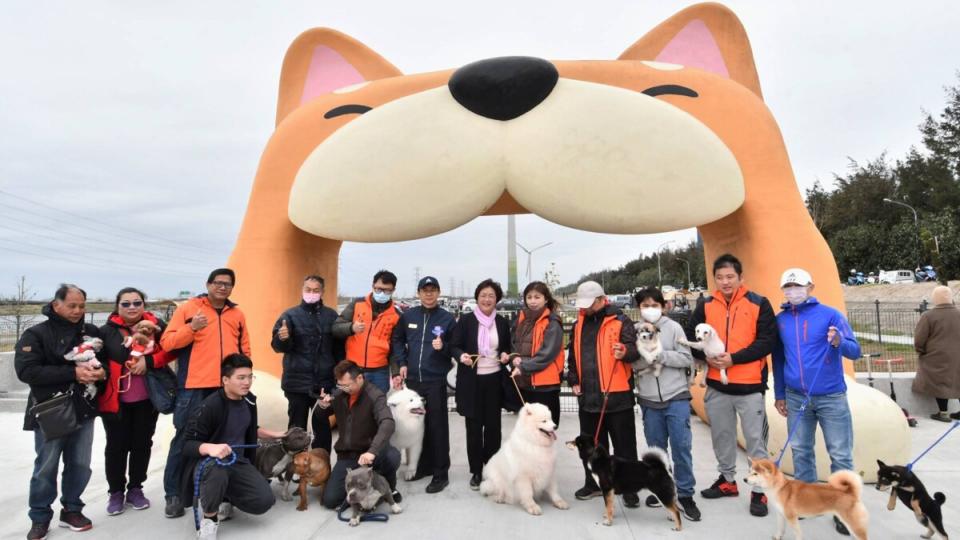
{"points": [[308, 354], [40, 363]]}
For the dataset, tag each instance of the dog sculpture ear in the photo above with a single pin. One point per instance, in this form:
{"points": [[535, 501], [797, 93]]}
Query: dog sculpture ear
{"points": [[705, 36], [322, 60]]}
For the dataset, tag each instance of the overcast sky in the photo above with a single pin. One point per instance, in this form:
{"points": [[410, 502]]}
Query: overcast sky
{"points": [[130, 132]]}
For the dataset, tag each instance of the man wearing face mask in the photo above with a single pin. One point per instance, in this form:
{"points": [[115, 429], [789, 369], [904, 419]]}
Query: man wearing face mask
{"points": [[303, 335], [808, 359]]}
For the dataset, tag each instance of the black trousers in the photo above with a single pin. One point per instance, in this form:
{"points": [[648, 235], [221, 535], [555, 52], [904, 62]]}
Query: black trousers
{"points": [[129, 438], [240, 483], [550, 398], [298, 411], [385, 464], [620, 427], [435, 458], [483, 430]]}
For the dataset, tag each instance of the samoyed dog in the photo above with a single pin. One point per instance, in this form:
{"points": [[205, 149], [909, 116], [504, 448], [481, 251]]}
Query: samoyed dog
{"points": [[523, 469], [408, 414]]}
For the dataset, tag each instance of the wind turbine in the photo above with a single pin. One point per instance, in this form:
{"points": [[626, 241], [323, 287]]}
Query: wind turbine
{"points": [[529, 253]]}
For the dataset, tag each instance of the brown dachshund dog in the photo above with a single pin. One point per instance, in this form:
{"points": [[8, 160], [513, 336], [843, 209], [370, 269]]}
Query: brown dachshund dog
{"points": [[313, 467]]}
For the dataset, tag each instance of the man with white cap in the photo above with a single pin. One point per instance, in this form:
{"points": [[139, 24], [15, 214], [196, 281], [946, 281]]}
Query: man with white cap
{"points": [[808, 360], [603, 343]]}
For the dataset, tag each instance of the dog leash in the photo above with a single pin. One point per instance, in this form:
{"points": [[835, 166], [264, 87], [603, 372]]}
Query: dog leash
{"points": [[372, 516], [936, 442], [230, 460], [603, 407], [803, 406]]}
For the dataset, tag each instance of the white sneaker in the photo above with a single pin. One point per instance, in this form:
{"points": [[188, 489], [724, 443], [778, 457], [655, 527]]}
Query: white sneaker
{"points": [[225, 511], [208, 529]]}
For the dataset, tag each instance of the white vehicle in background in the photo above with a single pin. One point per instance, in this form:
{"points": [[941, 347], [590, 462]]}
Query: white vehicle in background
{"points": [[896, 276], [468, 306]]}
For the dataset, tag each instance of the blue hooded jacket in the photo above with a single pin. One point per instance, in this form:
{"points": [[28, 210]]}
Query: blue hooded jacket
{"points": [[803, 348]]}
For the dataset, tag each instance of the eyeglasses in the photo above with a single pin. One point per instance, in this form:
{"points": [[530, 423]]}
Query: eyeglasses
{"points": [[381, 290], [245, 378], [135, 303], [222, 284]]}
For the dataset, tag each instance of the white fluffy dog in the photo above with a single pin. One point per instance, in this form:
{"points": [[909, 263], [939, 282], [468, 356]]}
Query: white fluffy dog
{"points": [[524, 466], [648, 345], [408, 414], [709, 342]]}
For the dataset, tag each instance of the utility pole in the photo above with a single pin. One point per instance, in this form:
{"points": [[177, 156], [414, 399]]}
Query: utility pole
{"points": [[416, 277]]}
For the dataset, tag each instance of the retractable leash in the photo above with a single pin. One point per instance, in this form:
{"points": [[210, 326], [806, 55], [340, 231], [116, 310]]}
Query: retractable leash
{"points": [[936, 442], [230, 460], [803, 406]]}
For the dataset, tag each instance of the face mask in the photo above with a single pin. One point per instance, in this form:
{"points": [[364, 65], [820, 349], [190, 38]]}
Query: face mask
{"points": [[796, 295], [381, 297], [311, 297], [651, 314]]}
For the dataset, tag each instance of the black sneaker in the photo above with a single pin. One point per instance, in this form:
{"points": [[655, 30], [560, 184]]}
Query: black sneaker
{"points": [[38, 531], [437, 484], [475, 482], [174, 508], [587, 492], [689, 508], [840, 527], [652, 502], [720, 488], [631, 500], [75, 521], [758, 504], [397, 497]]}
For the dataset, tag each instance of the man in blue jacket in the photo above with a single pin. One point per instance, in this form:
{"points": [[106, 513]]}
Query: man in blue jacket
{"points": [[421, 351], [814, 338]]}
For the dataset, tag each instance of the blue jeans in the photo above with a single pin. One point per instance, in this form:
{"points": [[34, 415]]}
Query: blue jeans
{"points": [[832, 412], [379, 378], [76, 450], [672, 425], [188, 401]]}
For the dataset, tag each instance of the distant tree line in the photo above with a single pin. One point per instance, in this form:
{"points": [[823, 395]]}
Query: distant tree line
{"points": [[642, 271]]}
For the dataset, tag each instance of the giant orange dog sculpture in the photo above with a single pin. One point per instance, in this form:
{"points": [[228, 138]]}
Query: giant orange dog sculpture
{"points": [[580, 143]]}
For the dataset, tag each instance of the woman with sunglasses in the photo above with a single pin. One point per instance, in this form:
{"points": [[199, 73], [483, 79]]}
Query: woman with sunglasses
{"points": [[129, 418]]}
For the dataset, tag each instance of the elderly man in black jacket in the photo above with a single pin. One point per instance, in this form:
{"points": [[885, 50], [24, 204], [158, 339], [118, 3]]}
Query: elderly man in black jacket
{"points": [[225, 424], [39, 361], [303, 335], [366, 425]]}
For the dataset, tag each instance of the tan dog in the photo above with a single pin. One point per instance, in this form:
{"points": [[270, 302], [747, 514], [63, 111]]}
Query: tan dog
{"points": [[313, 467], [794, 499]]}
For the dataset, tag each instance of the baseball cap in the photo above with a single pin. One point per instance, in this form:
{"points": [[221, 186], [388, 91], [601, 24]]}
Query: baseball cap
{"points": [[798, 276], [587, 294], [428, 281]]}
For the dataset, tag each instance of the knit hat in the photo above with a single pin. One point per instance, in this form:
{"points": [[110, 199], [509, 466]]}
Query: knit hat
{"points": [[941, 295]]}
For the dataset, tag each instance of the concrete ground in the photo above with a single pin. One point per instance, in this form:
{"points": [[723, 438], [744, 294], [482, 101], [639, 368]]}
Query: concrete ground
{"points": [[464, 514]]}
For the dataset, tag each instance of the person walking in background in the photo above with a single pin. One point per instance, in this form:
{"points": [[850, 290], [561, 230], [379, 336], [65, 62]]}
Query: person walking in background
{"points": [[367, 326], [481, 344], [937, 341], [538, 345]]}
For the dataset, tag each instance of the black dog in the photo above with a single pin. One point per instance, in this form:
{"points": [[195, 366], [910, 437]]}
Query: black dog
{"points": [[275, 458], [904, 484], [617, 475]]}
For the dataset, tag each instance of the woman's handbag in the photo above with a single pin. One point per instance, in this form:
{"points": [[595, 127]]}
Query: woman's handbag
{"points": [[57, 416], [162, 387]]}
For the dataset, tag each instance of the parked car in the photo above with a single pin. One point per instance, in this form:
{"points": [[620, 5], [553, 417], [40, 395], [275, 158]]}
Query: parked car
{"points": [[927, 273], [621, 301], [897, 276]]}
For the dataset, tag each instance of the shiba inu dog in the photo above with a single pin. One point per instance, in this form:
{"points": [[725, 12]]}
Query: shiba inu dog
{"points": [[902, 483]]}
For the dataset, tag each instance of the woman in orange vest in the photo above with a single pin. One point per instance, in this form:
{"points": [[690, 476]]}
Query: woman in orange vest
{"points": [[538, 344]]}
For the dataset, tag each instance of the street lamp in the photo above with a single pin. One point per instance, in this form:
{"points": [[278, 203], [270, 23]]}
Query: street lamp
{"points": [[688, 270], [659, 274], [916, 223], [529, 253]]}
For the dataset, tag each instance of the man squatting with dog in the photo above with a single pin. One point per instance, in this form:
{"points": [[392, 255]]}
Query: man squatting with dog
{"points": [[813, 338]]}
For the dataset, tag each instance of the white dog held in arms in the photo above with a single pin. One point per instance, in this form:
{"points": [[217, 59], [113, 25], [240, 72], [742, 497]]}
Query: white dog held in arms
{"points": [[709, 342], [524, 466], [408, 414]]}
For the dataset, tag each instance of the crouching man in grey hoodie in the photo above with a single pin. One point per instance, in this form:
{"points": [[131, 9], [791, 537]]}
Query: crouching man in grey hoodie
{"points": [[665, 400]]}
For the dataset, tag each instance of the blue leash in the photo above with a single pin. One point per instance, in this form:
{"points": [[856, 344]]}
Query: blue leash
{"points": [[372, 516], [230, 460], [936, 442], [803, 406]]}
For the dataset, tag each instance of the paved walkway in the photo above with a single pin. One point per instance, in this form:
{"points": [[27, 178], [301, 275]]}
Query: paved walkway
{"points": [[460, 513]]}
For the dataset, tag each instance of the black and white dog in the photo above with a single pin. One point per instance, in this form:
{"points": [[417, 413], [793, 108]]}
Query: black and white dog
{"points": [[903, 484]]}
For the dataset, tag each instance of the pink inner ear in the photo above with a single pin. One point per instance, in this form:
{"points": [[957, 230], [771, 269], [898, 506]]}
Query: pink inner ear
{"points": [[694, 46], [328, 71]]}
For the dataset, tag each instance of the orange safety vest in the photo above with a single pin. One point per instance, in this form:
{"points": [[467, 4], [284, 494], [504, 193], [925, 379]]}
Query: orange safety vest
{"points": [[370, 349], [614, 374], [546, 376], [736, 325]]}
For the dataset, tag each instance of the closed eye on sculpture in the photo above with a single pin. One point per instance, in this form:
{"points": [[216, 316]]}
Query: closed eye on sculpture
{"points": [[669, 89], [346, 109]]}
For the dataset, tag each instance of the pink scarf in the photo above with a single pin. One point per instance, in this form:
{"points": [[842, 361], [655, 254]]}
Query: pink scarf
{"points": [[483, 332]]}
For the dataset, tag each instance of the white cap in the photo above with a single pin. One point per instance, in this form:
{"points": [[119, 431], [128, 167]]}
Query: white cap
{"points": [[587, 294], [797, 276]]}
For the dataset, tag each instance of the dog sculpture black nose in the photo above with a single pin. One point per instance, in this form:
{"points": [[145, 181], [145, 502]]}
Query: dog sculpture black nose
{"points": [[503, 88]]}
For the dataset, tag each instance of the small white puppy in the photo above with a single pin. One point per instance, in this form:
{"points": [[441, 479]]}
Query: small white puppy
{"points": [[648, 345], [709, 342], [524, 466], [408, 414]]}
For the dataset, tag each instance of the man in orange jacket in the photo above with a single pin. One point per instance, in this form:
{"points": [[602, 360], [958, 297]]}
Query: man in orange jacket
{"points": [[745, 322], [202, 332], [367, 326]]}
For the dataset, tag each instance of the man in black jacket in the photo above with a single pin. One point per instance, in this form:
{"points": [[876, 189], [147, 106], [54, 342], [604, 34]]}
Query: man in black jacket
{"points": [[366, 425], [225, 421], [39, 361], [303, 335], [420, 347]]}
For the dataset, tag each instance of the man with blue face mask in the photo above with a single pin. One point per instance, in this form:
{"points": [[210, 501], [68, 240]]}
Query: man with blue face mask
{"points": [[366, 325], [808, 359]]}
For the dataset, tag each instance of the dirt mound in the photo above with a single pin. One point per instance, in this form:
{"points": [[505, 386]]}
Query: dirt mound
{"points": [[904, 293]]}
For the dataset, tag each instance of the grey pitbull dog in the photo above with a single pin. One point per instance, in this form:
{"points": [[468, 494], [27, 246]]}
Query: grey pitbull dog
{"points": [[365, 490], [275, 458]]}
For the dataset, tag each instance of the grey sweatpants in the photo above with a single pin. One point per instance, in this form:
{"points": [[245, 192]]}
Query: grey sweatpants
{"points": [[723, 410]]}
